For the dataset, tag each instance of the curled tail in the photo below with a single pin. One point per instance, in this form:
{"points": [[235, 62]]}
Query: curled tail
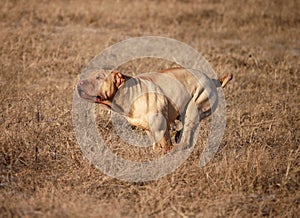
{"points": [[223, 81]]}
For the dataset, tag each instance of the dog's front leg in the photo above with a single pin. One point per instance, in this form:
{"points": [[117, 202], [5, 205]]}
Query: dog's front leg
{"points": [[160, 133]]}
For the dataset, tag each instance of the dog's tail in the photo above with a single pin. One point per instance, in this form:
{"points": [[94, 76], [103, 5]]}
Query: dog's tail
{"points": [[223, 81]]}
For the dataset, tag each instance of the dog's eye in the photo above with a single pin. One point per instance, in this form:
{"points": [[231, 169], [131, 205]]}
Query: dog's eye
{"points": [[98, 77]]}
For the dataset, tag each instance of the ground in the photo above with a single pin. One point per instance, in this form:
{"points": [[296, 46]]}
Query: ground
{"points": [[46, 45]]}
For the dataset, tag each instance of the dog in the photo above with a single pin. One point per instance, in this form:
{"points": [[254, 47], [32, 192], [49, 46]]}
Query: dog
{"points": [[154, 101]]}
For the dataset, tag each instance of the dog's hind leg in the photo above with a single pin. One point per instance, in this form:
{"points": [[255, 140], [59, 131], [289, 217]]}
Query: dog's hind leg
{"points": [[190, 121]]}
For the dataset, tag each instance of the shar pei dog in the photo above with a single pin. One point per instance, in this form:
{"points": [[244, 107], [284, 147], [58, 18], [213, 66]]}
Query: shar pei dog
{"points": [[155, 101]]}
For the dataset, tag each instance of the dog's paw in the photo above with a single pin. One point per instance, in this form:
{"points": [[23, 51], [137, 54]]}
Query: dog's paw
{"points": [[162, 150], [180, 146]]}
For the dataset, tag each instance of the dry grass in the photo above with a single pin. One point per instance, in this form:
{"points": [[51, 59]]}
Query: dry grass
{"points": [[45, 45]]}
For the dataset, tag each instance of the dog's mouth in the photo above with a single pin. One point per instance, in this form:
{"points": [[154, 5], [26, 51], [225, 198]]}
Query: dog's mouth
{"points": [[93, 98]]}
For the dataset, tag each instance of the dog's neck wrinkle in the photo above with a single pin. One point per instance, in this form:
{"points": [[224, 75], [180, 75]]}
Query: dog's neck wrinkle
{"points": [[127, 90]]}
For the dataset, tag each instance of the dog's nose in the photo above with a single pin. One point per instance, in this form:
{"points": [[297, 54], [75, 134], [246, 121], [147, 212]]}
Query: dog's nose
{"points": [[80, 83]]}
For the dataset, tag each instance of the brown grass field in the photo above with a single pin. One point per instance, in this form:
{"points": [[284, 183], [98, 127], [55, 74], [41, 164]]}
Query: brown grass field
{"points": [[44, 47]]}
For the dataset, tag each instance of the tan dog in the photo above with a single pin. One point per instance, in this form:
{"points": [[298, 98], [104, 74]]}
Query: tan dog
{"points": [[154, 101]]}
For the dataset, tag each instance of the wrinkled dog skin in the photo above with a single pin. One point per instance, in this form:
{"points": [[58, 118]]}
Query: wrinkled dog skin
{"points": [[154, 101]]}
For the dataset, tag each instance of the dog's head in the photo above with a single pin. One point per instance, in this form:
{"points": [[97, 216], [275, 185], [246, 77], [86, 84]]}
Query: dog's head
{"points": [[100, 86]]}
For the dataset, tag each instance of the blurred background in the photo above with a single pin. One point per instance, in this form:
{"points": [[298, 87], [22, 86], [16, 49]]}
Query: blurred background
{"points": [[44, 47]]}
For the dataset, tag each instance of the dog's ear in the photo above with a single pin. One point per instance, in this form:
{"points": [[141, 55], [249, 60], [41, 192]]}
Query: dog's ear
{"points": [[119, 78]]}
